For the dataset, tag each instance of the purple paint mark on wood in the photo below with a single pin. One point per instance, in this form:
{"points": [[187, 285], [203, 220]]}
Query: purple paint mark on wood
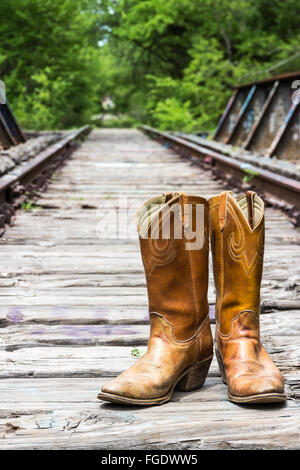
{"points": [[59, 310], [212, 312], [15, 315], [101, 309], [101, 312], [100, 316], [86, 330]]}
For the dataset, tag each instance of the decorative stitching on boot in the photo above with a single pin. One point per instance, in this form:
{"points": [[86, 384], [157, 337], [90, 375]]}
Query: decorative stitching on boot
{"points": [[237, 251], [178, 341], [228, 336]]}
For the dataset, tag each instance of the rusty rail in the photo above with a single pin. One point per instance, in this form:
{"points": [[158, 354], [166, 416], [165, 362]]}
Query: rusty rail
{"points": [[27, 172], [276, 185]]}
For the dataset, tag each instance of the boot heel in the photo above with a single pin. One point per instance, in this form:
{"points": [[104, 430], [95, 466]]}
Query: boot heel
{"points": [[194, 378], [221, 366]]}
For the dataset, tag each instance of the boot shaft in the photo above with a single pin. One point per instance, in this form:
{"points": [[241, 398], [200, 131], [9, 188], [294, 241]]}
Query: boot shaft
{"points": [[173, 230], [237, 243]]}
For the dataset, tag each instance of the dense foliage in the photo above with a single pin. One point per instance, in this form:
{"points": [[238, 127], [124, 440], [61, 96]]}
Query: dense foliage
{"points": [[169, 63], [50, 61]]}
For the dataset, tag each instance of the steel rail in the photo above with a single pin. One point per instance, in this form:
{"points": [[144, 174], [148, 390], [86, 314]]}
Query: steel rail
{"points": [[281, 187], [27, 172]]}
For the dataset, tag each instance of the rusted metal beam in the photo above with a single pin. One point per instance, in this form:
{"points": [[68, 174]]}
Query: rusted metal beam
{"points": [[232, 115], [10, 131], [260, 118], [241, 113], [225, 114], [6, 138], [282, 129], [12, 124], [272, 120], [263, 111], [288, 147], [282, 77]]}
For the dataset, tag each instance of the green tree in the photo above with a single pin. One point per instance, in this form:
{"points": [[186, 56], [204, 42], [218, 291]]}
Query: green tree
{"points": [[188, 55], [168, 63], [49, 59]]}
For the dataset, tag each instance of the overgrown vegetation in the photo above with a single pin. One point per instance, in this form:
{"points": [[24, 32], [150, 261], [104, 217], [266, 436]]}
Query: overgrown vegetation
{"points": [[168, 63], [29, 206], [136, 352], [250, 174]]}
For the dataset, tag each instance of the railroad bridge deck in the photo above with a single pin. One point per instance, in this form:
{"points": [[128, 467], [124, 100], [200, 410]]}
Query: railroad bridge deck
{"points": [[73, 307]]}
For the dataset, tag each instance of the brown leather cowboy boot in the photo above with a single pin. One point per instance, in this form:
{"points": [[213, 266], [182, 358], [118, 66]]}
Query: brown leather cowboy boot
{"points": [[237, 243], [180, 347]]}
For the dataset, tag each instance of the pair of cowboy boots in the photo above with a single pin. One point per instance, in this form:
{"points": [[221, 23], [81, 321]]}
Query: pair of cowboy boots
{"points": [[174, 241]]}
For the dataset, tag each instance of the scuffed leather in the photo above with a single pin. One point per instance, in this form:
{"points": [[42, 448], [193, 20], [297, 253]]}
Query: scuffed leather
{"points": [[180, 335], [154, 373], [237, 250]]}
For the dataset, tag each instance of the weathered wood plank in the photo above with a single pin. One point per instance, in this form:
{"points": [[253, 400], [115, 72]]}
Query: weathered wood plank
{"points": [[118, 315], [46, 391], [74, 315], [191, 425], [67, 360], [30, 335], [78, 335]]}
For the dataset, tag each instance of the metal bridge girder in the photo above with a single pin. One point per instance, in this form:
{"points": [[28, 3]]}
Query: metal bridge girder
{"points": [[271, 129]]}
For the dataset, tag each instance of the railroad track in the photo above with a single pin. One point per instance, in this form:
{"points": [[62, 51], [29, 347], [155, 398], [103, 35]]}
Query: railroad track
{"points": [[21, 183], [279, 191]]}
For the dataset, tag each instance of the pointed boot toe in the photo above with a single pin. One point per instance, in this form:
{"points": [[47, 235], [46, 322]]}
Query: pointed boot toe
{"points": [[114, 387], [119, 390], [256, 390], [126, 387]]}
